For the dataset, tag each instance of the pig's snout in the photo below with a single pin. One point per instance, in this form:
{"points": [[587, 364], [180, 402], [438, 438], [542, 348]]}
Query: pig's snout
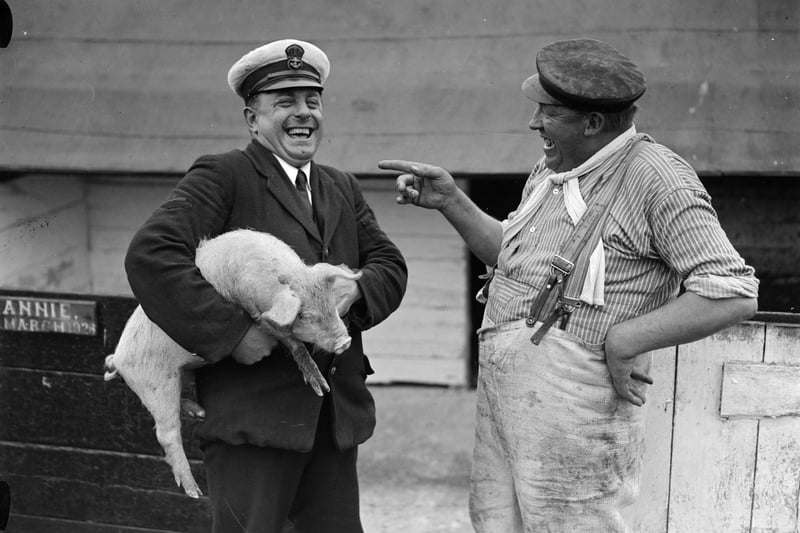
{"points": [[341, 345]]}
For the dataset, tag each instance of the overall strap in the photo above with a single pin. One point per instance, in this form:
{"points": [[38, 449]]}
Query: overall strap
{"points": [[568, 268]]}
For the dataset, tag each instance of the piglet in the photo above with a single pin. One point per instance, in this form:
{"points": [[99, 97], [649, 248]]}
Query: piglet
{"points": [[292, 301]]}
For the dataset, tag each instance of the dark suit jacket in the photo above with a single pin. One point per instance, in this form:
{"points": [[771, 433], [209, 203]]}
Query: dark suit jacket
{"points": [[266, 404]]}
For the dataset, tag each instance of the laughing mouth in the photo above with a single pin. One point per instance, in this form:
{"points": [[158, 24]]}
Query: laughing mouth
{"points": [[299, 133], [547, 143]]}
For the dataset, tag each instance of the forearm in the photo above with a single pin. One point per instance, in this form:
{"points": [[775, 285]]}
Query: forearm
{"points": [[482, 233], [433, 187], [173, 293], [686, 319]]}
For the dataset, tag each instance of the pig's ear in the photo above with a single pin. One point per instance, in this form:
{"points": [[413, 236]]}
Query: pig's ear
{"points": [[284, 309], [331, 272]]}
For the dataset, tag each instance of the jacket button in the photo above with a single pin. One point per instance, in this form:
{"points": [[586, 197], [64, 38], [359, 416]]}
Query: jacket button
{"points": [[333, 370]]}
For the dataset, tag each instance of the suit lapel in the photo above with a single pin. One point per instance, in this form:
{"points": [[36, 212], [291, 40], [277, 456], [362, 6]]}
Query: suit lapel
{"points": [[327, 202], [280, 186]]}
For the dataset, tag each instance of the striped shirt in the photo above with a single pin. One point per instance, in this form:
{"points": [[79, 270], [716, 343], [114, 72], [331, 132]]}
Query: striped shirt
{"points": [[661, 230]]}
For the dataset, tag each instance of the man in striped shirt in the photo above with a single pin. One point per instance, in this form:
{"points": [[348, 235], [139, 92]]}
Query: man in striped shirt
{"points": [[564, 347]]}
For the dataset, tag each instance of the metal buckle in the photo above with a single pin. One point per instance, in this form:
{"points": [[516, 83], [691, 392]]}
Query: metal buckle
{"points": [[567, 306], [559, 264], [570, 303]]}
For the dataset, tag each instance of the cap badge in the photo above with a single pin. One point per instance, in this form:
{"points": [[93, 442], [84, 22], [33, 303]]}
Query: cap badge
{"points": [[294, 56]]}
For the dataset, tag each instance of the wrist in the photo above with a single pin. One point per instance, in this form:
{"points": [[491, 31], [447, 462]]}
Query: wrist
{"points": [[618, 344], [452, 203]]}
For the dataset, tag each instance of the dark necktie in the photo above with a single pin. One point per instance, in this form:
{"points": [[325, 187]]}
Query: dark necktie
{"points": [[301, 183]]}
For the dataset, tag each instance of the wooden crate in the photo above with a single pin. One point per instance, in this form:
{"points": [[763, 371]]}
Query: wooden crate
{"points": [[80, 453]]}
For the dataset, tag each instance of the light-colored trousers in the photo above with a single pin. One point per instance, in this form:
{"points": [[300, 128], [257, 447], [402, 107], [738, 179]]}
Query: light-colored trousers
{"points": [[556, 450]]}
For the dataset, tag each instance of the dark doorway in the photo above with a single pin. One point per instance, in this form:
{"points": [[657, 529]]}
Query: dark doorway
{"points": [[760, 214], [497, 196]]}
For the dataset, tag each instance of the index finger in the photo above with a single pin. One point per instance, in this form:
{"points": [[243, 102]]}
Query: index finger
{"points": [[422, 170], [398, 164], [642, 377]]}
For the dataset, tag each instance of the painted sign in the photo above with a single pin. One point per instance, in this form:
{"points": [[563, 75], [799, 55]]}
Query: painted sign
{"points": [[42, 315]]}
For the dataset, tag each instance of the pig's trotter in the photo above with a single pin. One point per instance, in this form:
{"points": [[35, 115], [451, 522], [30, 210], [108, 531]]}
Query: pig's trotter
{"points": [[110, 367], [311, 374], [192, 409], [307, 366], [170, 440], [317, 383]]}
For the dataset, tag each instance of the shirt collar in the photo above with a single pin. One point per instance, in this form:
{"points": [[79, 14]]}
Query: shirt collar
{"points": [[291, 171], [617, 144]]}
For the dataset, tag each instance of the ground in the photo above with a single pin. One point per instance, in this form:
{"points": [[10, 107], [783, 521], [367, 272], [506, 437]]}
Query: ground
{"points": [[414, 471]]}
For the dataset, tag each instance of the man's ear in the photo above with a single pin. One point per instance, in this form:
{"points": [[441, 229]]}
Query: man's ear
{"points": [[250, 119], [594, 123]]}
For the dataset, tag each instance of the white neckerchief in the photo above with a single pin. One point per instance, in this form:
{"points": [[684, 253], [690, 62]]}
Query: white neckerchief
{"points": [[291, 172], [594, 285]]}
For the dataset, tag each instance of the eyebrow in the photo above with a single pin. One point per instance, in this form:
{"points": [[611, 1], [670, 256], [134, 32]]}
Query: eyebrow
{"points": [[562, 110], [554, 106]]}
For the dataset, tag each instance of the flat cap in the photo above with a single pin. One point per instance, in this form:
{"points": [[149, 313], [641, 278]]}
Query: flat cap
{"points": [[585, 74], [279, 65]]}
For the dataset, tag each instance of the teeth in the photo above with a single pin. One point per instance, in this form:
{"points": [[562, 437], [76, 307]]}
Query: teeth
{"points": [[299, 131], [548, 143]]}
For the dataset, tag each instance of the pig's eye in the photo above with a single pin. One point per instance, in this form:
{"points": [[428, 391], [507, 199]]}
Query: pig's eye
{"points": [[304, 317]]}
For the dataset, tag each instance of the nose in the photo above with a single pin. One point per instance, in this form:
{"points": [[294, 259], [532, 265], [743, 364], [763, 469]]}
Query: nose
{"points": [[536, 119], [302, 111], [341, 345]]}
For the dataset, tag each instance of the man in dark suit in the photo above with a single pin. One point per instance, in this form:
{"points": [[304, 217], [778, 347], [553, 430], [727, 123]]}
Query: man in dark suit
{"points": [[273, 450]]}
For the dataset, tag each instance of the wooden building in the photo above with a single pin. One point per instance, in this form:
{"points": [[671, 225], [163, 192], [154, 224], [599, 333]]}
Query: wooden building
{"points": [[105, 103]]}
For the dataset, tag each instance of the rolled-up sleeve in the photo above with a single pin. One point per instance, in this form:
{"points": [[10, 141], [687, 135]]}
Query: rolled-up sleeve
{"points": [[689, 237]]}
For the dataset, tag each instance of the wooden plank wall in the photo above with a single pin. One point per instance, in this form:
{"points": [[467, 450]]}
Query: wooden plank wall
{"points": [[425, 341], [140, 86], [116, 208], [43, 240]]}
